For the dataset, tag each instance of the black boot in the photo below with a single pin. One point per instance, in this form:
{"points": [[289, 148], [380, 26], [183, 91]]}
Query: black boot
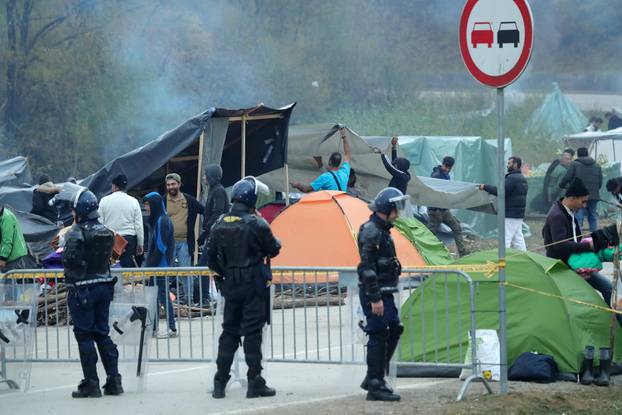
{"points": [[87, 388], [113, 386], [385, 386], [220, 384], [376, 393], [257, 388], [605, 359], [587, 369]]}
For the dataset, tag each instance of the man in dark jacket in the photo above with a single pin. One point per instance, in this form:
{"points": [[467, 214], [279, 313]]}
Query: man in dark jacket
{"points": [[614, 120], [614, 186], [562, 234], [439, 215], [183, 210], [515, 202], [160, 253], [216, 205], [586, 169], [398, 168]]}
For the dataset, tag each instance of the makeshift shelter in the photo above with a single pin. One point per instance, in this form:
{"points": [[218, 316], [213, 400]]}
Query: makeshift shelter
{"points": [[15, 171], [321, 231], [221, 136], [555, 117], [604, 146], [541, 314], [309, 144], [476, 163]]}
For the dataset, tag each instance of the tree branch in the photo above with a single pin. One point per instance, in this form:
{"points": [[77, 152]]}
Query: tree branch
{"points": [[46, 29]]}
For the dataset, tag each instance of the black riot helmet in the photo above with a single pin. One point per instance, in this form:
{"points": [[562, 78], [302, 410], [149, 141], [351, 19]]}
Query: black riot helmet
{"points": [[85, 205], [246, 191], [388, 200]]}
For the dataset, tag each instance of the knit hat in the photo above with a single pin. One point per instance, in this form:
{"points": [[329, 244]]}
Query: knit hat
{"points": [[173, 176], [120, 181], [577, 188]]}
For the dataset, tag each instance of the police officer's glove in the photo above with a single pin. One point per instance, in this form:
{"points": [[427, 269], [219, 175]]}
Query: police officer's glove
{"points": [[218, 280]]}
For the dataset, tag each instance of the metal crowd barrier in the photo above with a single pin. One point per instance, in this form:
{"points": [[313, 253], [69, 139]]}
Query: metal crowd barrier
{"points": [[315, 318]]}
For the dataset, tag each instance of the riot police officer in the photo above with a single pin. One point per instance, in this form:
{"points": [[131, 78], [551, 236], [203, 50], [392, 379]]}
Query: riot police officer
{"points": [[237, 249], [378, 272], [86, 260]]}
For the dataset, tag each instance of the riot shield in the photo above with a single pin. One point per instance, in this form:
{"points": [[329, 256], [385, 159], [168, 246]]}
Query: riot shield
{"points": [[131, 323], [239, 367], [18, 321]]}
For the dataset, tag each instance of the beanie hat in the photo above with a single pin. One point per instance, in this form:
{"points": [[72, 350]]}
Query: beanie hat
{"points": [[120, 181], [576, 188], [173, 176]]}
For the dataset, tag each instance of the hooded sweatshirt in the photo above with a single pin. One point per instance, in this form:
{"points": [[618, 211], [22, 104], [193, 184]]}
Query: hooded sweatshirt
{"points": [[217, 201], [586, 169], [161, 250], [398, 169]]}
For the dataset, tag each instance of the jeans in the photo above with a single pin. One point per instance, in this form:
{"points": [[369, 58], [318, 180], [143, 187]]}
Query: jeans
{"points": [[126, 259], [592, 216], [602, 284], [164, 298], [184, 260]]}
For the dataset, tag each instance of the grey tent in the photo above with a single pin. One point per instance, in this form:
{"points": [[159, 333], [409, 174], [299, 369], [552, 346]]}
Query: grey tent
{"points": [[15, 171]]}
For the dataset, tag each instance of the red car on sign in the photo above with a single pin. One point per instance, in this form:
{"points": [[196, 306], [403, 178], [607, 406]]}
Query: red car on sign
{"points": [[482, 33]]}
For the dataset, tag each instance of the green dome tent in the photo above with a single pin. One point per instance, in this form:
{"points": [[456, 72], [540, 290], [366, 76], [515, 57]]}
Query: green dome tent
{"points": [[556, 117], [535, 322]]}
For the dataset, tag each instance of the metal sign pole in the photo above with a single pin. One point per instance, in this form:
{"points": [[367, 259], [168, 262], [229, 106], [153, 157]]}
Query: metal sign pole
{"points": [[501, 230]]}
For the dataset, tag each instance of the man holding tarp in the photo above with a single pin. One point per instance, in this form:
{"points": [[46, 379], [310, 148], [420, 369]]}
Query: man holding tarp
{"points": [[337, 175]]}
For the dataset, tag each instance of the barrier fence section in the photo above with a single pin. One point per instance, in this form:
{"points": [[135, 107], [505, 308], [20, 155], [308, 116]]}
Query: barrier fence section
{"points": [[315, 317]]}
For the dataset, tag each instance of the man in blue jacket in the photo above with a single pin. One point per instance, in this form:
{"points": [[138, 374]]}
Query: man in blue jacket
{"points": [[161, 253]]}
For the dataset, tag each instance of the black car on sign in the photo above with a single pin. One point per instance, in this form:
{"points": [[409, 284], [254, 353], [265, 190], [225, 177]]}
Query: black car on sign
{"points": [[508, 33]]}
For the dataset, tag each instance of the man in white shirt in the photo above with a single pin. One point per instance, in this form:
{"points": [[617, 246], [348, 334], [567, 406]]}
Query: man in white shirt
{"points": [[121, 213]]}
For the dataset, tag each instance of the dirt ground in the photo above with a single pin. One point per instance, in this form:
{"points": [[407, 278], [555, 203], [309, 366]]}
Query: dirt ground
{"points": [[524, 398]]}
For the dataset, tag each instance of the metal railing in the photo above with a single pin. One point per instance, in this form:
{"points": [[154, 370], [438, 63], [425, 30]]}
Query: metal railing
{"points": [[315, 317]]}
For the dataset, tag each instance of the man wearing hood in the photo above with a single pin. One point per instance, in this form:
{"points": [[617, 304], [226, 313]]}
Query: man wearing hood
{"points": [[398, 168], [216, 205], [586, 169], [440, 215], [161, 253]]}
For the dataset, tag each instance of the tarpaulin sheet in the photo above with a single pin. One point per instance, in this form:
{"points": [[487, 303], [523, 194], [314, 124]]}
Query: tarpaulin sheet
{"points": [[15, 171], [307, 141]]}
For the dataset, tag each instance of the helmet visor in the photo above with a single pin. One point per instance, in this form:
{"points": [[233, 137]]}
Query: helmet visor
{"points": [[402, 205], [260, 187]]}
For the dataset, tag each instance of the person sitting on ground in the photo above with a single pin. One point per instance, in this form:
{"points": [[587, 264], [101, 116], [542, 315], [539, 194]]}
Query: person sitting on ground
{"points": [[41, 196], [562, 234], [398, 167], [554, 174], [439, 215], [336, 178]]}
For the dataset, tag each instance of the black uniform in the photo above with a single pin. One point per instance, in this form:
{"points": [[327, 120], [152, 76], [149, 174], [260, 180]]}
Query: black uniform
{"points": [[86, 260], [379, 272], [238, 245]]}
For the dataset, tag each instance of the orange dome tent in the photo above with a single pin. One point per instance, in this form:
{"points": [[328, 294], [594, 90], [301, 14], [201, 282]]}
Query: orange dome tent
{"points": [[321, 231]]}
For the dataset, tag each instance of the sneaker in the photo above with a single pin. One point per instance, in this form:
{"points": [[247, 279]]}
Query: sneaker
{"points": [[166, 334]]}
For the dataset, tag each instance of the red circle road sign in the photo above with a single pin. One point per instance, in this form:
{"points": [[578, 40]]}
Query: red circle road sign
{"points": [[496, 39]]}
